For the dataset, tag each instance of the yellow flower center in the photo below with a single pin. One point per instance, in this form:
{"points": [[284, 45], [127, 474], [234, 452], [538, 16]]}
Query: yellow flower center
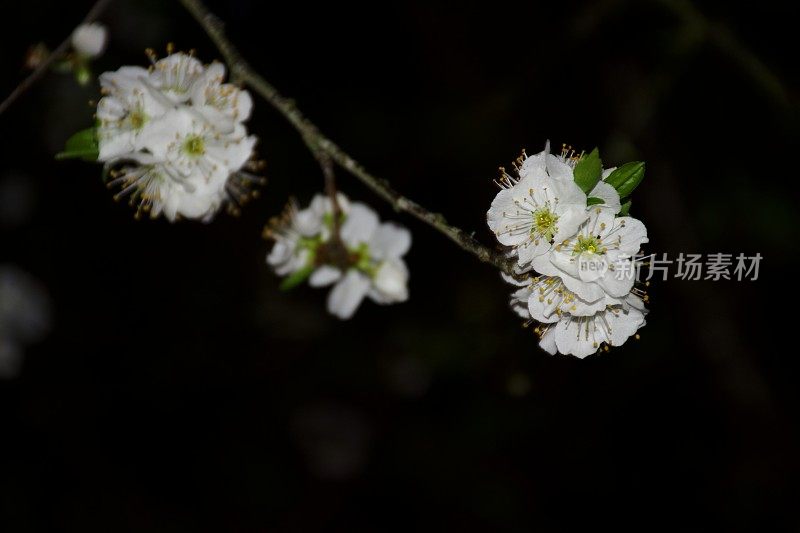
{"points": [[544, 223], [137, 119], [588, 244], [194, 145]]}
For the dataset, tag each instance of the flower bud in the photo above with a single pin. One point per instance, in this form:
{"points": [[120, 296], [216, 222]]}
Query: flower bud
{"points": [[89, 40]]}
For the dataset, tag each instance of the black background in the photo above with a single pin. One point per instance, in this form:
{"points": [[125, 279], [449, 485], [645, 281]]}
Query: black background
{"points": [[180, 390]]}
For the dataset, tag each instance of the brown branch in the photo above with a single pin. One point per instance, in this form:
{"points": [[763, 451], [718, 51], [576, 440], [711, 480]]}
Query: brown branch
{"points": [[242, 72], [330, 189], [60, 51]]}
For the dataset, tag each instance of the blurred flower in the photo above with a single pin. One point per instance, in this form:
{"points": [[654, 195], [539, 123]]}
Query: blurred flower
{"points": [[24, 316], [176, 139], [364, 261], [298, 233], [89, 40], [220, 102]]}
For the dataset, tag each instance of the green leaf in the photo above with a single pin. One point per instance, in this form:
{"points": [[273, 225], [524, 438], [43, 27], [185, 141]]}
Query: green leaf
{"points": [[292, 281], [82, 145], [594, 200], [588, 171], [626, 207], [627, 177]]}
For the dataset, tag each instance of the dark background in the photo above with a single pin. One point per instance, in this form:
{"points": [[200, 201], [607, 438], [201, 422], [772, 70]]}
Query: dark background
{"points": [[180, 390]]}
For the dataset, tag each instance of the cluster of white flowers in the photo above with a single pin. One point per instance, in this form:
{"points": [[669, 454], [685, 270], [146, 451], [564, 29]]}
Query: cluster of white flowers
{"points": [[175, 137], [364, 260], [574, 254]]}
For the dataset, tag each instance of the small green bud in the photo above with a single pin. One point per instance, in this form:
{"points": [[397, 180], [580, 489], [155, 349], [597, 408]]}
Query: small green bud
{"points": [[627, 177]]}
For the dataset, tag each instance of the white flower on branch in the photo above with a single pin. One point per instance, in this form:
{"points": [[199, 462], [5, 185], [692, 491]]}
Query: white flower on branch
{"points": [[584, 335], [597, 260], [126, 113], [174, 139], [223, 104], [539, 206], [89, 40], [572, 326], [363, 260], [583, 297]]}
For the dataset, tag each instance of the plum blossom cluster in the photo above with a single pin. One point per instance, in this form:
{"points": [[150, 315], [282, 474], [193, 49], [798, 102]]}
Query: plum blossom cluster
{"points": [[173, 138], [564, 219], [360, 256]]}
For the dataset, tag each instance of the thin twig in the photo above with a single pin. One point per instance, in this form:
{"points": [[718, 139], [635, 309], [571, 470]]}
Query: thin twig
{"points": [[242, 72], [60, 51], [330, 189]]}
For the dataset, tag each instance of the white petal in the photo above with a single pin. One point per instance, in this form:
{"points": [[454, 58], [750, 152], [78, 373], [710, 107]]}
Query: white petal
{"points": [[616, 283], [235, 154], [308, 222], [580, 307], [159, 134], [175, 76], [623, 324], [391, 282], [534, 163], [569, 220], [531, 250], [346, 296], [548, 341], [544, 266], [542, 307], [568, 193], [591, 292], [510, 224], [608, 194], [630, 235], [390, 241], [578, 337], [559, 170], [324, 276], [114, 146], [360, 225]]}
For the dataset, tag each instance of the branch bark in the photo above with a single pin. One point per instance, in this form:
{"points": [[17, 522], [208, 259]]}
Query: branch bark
{"points": [[241, 72]]}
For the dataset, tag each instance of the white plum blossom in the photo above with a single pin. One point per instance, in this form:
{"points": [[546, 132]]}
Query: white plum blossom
{"points": [[542, 206], [584, 335], [366, 260], [126, 113], [597, 260], [176, 76], [174, 140], [223, 104], [89, 40], [299, 232], [575, 274], [571, 326]]}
